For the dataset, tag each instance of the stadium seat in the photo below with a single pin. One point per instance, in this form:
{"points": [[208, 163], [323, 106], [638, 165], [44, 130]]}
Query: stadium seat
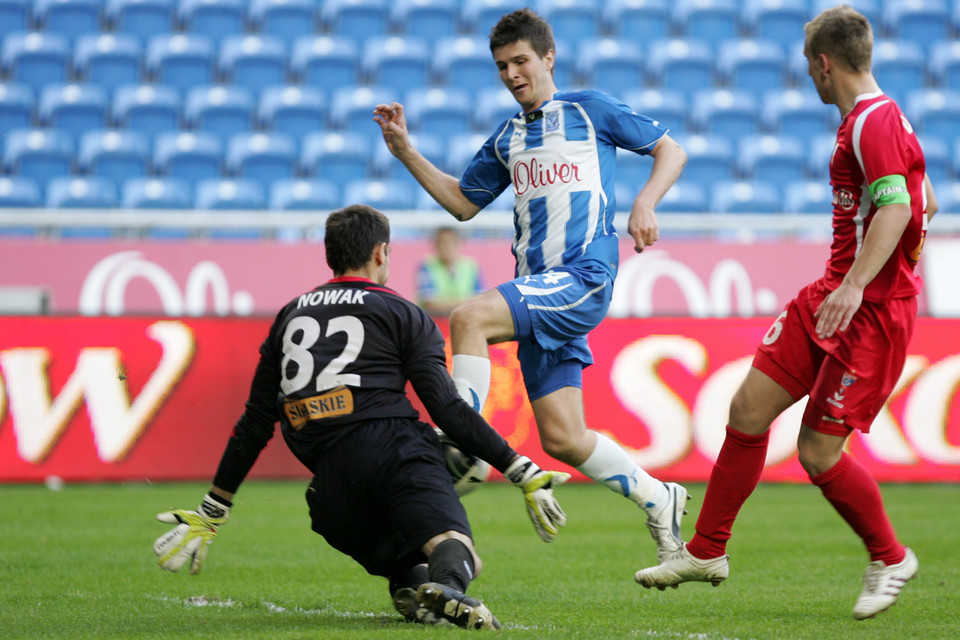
{"points": [[156, 193], [16, 106], [493, 106], [229, 194], [461, 150], [335, 155], [141, 18], [262, 156], [710, 158], [948, 197], [572, 21], [771, 158], [752, 65], [431, 145], [304, 195], [685, 196], [745, 197], [808, 196], [633, 169], [191, 156], [356, 18], [640, 20], [934, 113], [479, 16], [36, 58], [182, 60], [253, 61], [108, 59], [564, 67], [38, 153], [73, 107], [77, 192], [114, 154], [287, 19], [615, 66], [396, 62], [382, 194], [295, 109], [938, 158], [777, 20], [17, 191], [151, 108], [215, 19], [795, 112], [820, 150], [70, 18], [351, 108], [899, 66], [326, 62], [869, 8], [439, 111], [919, 21], [709, 20], [220, 109], [670, 108], [729, 113], [438, 18], [680, 64], [465, 62], [15, 15], [944, 64]]}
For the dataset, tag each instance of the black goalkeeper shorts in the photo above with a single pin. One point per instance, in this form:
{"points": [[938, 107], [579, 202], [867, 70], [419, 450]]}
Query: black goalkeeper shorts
{"points": [[383, 492]]}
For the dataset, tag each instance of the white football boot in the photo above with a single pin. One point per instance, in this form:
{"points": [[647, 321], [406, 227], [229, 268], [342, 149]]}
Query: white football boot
{"points": [[882, 585], [664, 521], [682, 566]]}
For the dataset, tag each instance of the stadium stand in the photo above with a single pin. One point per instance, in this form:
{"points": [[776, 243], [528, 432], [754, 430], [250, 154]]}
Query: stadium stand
{"points": [[16, 106], [300, 194], [15, 15], [642, 20], [70, 18], [17, 191], [141, 18], [745, 197], [612, 65], [188, 155], [156, 193], [253, 61], [40, 154], [150, 108], [260, 156], [108, 60], [116, 155], [220, 109], [293, 109], [36, 58], [74, 108], [439, 18], [326, 61], [286, 19]]}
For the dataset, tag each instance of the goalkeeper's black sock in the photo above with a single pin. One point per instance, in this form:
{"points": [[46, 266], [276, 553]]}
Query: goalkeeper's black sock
{"points": [[451, 564], [412, 578]]}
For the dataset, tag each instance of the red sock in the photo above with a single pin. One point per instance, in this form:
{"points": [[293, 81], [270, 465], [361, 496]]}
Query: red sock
{"points": [[734, 477], [856, 496]]}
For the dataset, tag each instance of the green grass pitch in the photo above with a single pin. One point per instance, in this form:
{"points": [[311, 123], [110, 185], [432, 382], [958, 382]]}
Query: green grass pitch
{"points": [[77, 563]]}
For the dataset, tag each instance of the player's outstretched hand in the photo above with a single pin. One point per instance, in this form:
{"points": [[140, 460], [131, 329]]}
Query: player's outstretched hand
{"points": [[393, 125], [192, 536], [537, 485]]}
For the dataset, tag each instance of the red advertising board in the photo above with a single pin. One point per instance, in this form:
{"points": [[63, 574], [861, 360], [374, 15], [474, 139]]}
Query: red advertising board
{"points": [[149, 399]]}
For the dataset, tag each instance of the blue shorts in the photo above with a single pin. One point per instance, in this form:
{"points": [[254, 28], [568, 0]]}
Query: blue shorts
{"points": [[552, 313]]}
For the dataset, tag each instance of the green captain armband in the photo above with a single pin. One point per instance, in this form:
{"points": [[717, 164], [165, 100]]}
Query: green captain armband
{"points": [[890, 190]]}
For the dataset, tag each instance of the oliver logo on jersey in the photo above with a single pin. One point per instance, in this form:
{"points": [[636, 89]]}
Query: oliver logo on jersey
{"points": [[532, 174], [337, 402]]}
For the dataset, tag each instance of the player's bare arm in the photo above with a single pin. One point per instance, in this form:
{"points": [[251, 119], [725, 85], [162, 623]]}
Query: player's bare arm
{"points": [[669, 159], [837, 309], [442, 187]]}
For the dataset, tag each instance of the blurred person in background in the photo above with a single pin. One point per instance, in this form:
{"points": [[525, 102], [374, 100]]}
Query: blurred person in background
{"points": [[448, 278]]}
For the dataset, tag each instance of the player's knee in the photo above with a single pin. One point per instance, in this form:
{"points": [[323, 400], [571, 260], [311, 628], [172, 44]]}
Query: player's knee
{"points": [[746, 416], [816, 458]]}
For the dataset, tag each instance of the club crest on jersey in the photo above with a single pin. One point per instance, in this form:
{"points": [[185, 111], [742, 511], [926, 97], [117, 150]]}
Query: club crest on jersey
{"points": [[840, 395], [844, 199], [551, 121]]}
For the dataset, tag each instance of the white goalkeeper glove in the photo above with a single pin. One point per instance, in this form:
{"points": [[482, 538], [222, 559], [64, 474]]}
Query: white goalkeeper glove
{"points": [[537, 485], [192, 536]]}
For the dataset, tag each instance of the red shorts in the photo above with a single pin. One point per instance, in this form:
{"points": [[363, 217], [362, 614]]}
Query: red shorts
{"points": [[848, 376]]}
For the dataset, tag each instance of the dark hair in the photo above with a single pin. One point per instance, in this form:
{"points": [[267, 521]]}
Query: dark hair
{"points": [[351, 235], [844, 34], [522, 24]]}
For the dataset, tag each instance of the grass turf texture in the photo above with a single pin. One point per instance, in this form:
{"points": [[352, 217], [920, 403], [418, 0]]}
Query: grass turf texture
{"points": [[77, 563]]}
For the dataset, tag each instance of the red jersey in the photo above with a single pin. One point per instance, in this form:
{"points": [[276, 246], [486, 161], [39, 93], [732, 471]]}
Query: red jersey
{"points": [[877, 160]]}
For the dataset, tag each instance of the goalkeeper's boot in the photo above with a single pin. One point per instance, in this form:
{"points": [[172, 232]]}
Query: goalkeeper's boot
{"points": [[882, 584], [460, 609], [664, 521], [682, 566], [405, 602]]}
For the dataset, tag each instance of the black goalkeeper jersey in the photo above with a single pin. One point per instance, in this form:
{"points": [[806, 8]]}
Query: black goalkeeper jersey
{"points": [[341, 355]]}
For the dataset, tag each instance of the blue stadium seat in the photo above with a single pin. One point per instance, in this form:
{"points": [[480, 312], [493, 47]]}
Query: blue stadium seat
{"points": [[752, 65], [36, 58], [438, 18], [465, 62], [461, 150], [294, 109], [15, 15], [141, 18], [820, 150], [710, 158], [151, 108], [254, 61], [182, 60], [327, 62], [681, 64], [869, 8], [572, 21], [17, 191], [38, 153], [356, 18], [633, 169], [729, 113], [229, 194], [564, 66], [70, 18], [191, 156], [78, 192], [808, 196], [438, 110], [432, 146], [479, 16], [743, 196], [351, 108], [220, 109], [396, 62], [899, 66], [938, 158], [685, 196], [16, 106], [215, 19], [382, 194], [262, 156], [641, 20], [709, 20], [670, 108], [948, 197], [304, 195], [73, 107], [156, 193], [919, 21], [934, 113], [796, 112], [114, 154], [778, 20], [335, 155], [287, 19], [108, 59], [944, 64], [771, 158], [615, 66], [493, 106]]}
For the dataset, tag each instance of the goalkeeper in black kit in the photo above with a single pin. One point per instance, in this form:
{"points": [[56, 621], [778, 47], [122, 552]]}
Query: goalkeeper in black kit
{"points": [[333, 372]]}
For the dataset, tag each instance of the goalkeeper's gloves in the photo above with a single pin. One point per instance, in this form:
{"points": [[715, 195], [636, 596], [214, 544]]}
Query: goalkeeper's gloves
{"points": [[537, 485], [192, 536]]}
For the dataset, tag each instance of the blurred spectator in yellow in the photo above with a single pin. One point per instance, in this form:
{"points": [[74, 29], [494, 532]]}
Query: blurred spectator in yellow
{"points": [[447, 278]]}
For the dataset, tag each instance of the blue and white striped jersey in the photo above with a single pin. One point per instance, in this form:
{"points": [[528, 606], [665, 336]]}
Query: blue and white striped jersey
{"points": [[561, 161]]}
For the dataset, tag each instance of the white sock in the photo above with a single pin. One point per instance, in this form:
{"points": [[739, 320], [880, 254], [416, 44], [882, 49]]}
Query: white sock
{"points": [[610, 465], [471, 375]]}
